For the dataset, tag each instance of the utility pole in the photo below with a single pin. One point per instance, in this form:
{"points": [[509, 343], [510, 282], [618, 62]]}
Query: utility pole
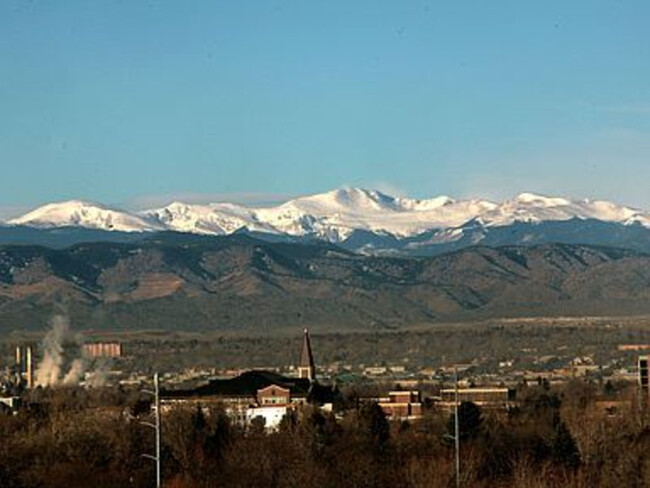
{"points": [[156, 426], [457, 428]]}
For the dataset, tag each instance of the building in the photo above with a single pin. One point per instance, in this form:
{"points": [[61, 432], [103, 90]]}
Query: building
{"points": [[403, 405], [103, 349], [375, 370], [271, 415], [483, 397], [633, 347], [306, 366], [10, 404], [643, 372], [259, 393]]}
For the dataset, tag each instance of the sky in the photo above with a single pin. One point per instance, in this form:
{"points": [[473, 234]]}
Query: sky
{"points": [[139, 103]]}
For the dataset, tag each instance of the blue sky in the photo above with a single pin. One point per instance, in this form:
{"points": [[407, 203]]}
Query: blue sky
{"points": [[135, 103]]}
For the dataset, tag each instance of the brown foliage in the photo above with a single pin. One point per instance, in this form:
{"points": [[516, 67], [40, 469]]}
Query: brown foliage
{"points": [[76, 439]]}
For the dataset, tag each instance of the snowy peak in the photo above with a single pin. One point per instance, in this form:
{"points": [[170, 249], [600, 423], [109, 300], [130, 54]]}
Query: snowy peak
{"points": [[214, 219], [359, 200], [529, 207], [350, 200], [336, 214], [78, 213]]}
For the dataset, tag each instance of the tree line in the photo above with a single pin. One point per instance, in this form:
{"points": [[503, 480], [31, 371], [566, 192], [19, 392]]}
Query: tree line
{"points": [[566, 436]]}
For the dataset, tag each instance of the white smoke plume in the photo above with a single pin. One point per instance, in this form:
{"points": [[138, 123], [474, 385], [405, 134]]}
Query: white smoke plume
{"points": [[98, 377], [74, 374], [58, 343], [49, 369], [65, 361]]}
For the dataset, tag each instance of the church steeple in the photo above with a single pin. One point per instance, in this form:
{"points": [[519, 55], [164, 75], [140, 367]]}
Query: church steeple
{"points": [[306, 368]]}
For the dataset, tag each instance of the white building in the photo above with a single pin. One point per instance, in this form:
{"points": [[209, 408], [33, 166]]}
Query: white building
{"points": [[271, 414]]}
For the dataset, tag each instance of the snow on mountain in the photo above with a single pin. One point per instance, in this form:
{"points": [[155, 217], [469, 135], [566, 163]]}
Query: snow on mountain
{"points": [[215, 219], [336, 214], [332, 215], [78, 213], [528, 207]]}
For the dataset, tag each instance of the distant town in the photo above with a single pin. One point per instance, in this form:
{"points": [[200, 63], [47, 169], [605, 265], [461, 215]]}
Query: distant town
{"points": [[403, 388], [164, 415]]}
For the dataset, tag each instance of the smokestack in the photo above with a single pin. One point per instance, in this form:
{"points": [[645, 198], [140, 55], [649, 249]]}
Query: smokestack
{"points": [[19, 364], [30, 367], [18, 358]]}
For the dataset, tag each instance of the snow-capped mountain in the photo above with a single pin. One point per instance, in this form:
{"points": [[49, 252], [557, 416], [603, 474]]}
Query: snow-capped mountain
{"points": [[212, 219], [364, 219], [77, 213], [333, 215], [528, 207], [336, 214]]}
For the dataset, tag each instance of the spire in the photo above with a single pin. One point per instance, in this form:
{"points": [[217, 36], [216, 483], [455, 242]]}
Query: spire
{"points": [[306, 368]]}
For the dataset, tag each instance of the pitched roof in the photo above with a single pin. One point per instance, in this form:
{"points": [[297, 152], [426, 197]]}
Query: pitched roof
{"points": [[246, 384]]}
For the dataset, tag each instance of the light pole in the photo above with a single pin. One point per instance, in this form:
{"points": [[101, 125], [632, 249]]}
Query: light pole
{"points": [[156, 426], [457, 428], [456, 436]]}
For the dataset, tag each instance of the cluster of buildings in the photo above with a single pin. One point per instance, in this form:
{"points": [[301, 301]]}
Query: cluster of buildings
{"points": [[260, 394], [21, 375], [17, 379], [269, 395]]}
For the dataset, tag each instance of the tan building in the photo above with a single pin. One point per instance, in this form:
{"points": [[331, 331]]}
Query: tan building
{"points": [[103, 349], [483, 397]]}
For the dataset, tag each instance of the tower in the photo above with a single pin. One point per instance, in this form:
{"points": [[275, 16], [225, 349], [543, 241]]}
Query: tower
{"points": [[306, 368], [29, 367], [25, 365], [19, 365]]}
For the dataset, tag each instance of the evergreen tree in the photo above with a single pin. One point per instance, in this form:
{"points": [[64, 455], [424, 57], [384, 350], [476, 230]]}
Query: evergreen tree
{"points": [[564, 449], [374, 426], [470, 420]]}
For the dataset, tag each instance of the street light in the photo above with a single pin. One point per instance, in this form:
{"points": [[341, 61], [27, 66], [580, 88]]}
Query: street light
{"points": [[155, 426]]}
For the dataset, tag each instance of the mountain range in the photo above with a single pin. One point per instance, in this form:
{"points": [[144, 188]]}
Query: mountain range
{"points": [[365, 221], [190, 282]]}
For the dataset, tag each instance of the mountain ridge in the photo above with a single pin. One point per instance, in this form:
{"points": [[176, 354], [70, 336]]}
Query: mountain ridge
{"points": [[382, 223], [344, 207], [177, 281]]}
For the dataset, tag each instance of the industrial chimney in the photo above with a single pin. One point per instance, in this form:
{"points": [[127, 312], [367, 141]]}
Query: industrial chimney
{"points": [[25, 365], [19, 364], [29, 367]]}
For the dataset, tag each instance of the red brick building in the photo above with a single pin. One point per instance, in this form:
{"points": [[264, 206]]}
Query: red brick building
{"points": [[274, 395], [402, 405]]}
